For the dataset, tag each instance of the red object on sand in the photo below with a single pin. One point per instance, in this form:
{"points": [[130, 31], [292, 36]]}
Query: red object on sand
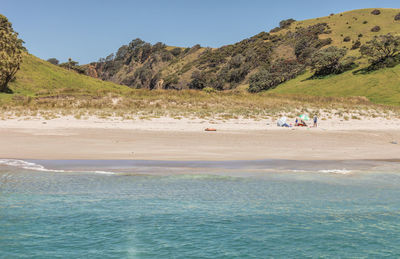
{"points": [[210, 129]]}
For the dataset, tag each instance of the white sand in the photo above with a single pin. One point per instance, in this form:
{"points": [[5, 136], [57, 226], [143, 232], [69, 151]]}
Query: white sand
{"points": [[185, 139]]}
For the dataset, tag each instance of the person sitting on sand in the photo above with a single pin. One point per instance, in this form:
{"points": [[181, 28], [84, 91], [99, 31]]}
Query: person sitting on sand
{"points": [[296, 123], [302, 123]]}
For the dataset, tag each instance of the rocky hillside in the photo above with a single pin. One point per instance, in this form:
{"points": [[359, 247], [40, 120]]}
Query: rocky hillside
{"points": [[281, 54]]}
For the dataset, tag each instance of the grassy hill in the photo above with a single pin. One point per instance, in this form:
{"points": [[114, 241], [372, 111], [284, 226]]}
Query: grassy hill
{"points": [[40, 78], [382, 86], [353, 23]]}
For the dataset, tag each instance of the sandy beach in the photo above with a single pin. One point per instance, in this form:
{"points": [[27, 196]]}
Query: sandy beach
{"points": [[185, 139]]}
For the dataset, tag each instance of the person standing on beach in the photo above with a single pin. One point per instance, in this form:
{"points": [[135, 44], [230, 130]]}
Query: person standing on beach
{"points": [[315, 121]]}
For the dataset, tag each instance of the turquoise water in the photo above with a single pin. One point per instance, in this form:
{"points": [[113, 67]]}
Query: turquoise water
{"points": [[223, 214]]}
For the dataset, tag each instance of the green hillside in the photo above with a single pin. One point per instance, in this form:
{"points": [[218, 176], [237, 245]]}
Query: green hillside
{"points": [[382, 86], [354, 24], [40, 78]]}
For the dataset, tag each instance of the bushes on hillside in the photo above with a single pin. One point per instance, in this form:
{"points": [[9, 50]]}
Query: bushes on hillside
{"points": [[347, 39], [286, 23], [376, 29], [382, 51], [176, 51], [397, 17], [356, 45], [280, 72], [53, 61], [376, 12], [307, 41], [330, 61], [198, 80], [73, 65]]}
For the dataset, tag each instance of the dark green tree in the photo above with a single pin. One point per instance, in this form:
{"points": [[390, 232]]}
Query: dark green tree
{"points": [[176, 51], [279, 72], [381, 48], [327, 61], [11, 50], [53, 61]]}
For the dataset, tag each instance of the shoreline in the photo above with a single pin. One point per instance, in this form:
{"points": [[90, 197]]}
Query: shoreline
{"points": [[185, 140]]}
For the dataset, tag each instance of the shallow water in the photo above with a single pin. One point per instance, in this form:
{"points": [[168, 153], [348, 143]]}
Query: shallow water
{"points": [[114, 209]]}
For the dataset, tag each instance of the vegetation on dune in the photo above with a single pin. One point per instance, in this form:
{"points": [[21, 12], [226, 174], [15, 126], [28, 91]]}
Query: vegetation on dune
{"points": [[11, 50]]}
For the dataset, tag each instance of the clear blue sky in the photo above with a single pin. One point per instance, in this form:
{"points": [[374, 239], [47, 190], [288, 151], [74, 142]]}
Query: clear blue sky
{"points": [[88, 29]]}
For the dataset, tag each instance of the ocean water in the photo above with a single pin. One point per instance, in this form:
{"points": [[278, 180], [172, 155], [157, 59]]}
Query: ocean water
{"points": [[156, 209]]}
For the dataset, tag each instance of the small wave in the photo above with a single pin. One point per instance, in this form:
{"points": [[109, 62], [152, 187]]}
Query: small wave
{"points": [[335, 171], [36, 167]]}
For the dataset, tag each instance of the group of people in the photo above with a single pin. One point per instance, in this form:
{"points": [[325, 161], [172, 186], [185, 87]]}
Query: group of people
{"points": [[301, 123]]}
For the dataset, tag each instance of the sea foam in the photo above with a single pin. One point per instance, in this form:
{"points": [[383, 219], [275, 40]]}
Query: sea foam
{"points": [[37, 167]]}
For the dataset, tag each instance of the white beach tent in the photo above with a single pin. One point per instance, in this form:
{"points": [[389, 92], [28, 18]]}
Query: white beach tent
{"points": [[281, 121]]}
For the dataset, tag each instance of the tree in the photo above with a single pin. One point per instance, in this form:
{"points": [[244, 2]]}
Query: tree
{"points": [[176, 51], [53, 61], [10, 53], [286, 23], [381, 48], [327, 61], [198, 80], [279, 72]]}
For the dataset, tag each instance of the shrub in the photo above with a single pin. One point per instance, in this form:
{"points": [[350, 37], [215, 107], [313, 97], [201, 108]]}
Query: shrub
{"points": [[176, 51], [346, 64], [360, 35], [286, 23], [365, 22], [327, 61], [376, 29], [356, 45], [381, 48], [376, 12], [198, 80], [307, 41], [271, 77], [397, 17], [325, 42], [347, 39], [53, 61]]}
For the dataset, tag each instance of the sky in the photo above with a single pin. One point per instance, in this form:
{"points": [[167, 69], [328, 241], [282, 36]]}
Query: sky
{"points": [[86, 30]]}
